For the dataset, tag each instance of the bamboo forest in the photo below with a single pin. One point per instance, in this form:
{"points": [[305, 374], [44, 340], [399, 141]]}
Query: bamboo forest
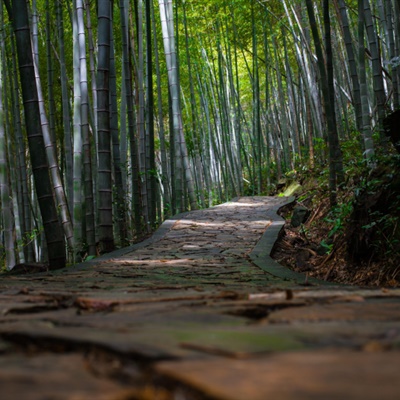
{"points": [[115, 115]]}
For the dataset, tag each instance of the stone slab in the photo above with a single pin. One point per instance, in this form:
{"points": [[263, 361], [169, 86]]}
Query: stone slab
{"points": [[293, 376], [56, 377]]}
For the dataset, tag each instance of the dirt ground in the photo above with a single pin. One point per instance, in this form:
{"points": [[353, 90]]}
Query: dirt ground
{"points": [[310, 250]]}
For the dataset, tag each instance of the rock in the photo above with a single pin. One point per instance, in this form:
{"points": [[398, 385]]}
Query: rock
{"points": [[302, 258], [292, 189], [281, 184], [300, 215], [29, 268]]}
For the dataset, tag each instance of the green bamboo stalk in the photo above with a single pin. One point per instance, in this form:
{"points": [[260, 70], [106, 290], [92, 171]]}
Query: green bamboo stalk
{"points": [[366, 119], [104, 172], [150, 144], [55, 175], [52, 227], [68, 150], [166, 189], [77, 141], [90, 237], [379, 87], [119, 193], [135, 182], [5, 198]]}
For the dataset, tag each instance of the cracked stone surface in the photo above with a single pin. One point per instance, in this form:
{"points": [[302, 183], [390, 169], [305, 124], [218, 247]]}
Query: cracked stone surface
{"points": [[199, 311]]}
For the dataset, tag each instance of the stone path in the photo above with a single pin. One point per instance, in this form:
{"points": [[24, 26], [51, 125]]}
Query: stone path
{"points": [[199, 311]]}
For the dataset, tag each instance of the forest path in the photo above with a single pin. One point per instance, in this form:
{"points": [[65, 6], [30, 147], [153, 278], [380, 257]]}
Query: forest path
{"points": [[198, 311]]}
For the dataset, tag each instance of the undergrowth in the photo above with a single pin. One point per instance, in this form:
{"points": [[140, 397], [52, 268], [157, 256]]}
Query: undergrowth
{"points": [[357, 241]]}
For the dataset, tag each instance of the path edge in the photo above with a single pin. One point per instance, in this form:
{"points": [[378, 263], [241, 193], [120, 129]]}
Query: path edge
{"points": [[159, 234], [261, 253]]}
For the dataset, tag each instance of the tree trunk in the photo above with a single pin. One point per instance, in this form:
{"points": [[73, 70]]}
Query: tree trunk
{"points": [[173, 79], [392, 53], [127, 68], [25, 212], [150, 146], [331, 114], [77, 143], [104, 185], [326, 89], [52, 227], [51, 152], [165, 181], [119, 203], [352, 63], [90, 237], [5, 198], [68, 151], [365, 115], [141, 127], [379, 87]]}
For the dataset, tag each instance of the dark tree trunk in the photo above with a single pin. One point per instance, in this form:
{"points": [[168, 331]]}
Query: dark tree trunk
{"points": [[106, 235], [52, 226], [335, 161]]}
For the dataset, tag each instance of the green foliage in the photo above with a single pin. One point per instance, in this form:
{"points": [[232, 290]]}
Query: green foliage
{"points": [[320, 145], [29, 237], [338, 217], [327, 246], [212, 198], [386, 235], [353, 160], [382, 189]]}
